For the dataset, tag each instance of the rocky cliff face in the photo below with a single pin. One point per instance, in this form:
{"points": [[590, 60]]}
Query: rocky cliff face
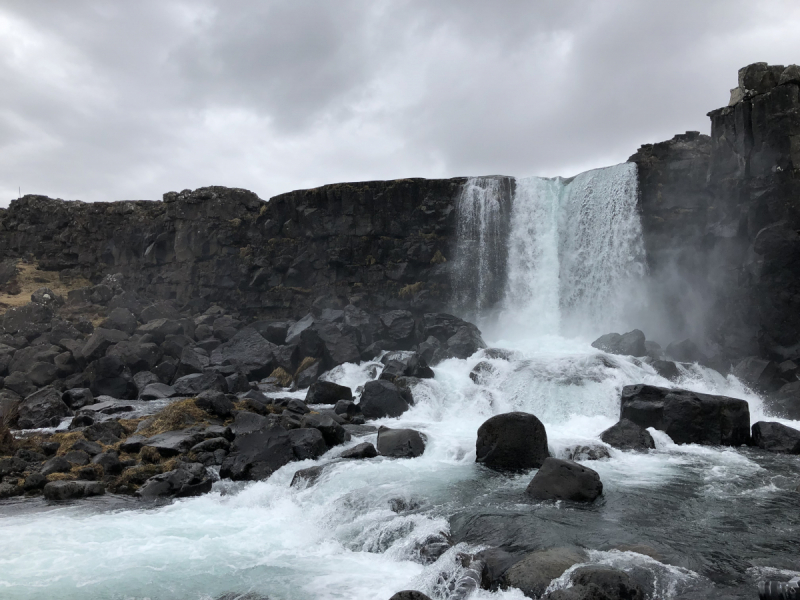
{"points": [[380, 244], [720, 216]]}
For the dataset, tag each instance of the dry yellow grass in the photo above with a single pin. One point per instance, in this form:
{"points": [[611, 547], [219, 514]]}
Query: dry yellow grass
{"points": [[29, 279], [410, 290], [307, 362], [283, 377], [177, 415]]}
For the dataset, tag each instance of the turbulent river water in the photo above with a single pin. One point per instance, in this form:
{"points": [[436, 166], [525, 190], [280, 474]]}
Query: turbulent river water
{"points": [[688, 521]]}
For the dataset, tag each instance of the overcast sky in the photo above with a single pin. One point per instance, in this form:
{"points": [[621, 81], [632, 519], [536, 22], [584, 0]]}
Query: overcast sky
{"points": [[110, 100]]}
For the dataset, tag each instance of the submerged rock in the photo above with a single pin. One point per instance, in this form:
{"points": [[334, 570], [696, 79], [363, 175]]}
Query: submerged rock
{"points": [[687, 417], [595, 582], [400, 443], [409, 595], [534, 572], [627, 435], [514, 441], [362, 450], [565, 480]]}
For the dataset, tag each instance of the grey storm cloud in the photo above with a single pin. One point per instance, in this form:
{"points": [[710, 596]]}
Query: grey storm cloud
{"points": [[116, 100]]}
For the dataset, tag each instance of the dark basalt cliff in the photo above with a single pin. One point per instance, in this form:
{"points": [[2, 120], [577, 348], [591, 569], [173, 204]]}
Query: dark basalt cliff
{"points": [[721, 215], [379, 244]]}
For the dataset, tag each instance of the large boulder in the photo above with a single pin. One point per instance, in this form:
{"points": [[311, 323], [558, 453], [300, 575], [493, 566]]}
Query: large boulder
{"points": [[627, 344], [514, 441], [122, 319], [196, 383], [258, 453], [627, 435], [327, 392], [534, 572], [382, 399], [399, 328], [400, 443], [189, 479], [100, 341], [44, 408], [172, 443], [108, 376], [776, 437], [559, 479], [248, 351], [333, 433], [362, 450], [137, 356], [687, 417], [307, 443], [70, 490]]}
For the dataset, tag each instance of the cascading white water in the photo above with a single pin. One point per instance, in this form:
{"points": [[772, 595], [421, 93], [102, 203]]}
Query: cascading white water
{"points": [[478, 242], [574, 252]]}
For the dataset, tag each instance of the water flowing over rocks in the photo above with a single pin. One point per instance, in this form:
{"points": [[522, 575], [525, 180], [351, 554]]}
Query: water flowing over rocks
{"points": [[687, 417]]}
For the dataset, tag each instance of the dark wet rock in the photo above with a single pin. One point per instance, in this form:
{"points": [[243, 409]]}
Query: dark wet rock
{"points": [[106, 432], [534, 572], [9, 490], [34, 481], [215, 402], [109, 376], [248, 351], [465, 342], [19, 383], [565, 480], [776, 437], [136, 355], [666, 369], [307, 476], [172, 443], [627, 435], [332, 431], [409, 595], [347, 408], [482, 372], [259, 453], [613, 583], [362, 450], [496, 562], [327, 392], [190, 479], [398, 327], [157, 391], [44, 408], [587, 452], [196, 383], [293, 405], [400, 443], [109, 461], [100, 341], [687, 417], [307, 443], [78, 457], [211, 445], [107, 407], [122, 319], [654, 350], [69, 490], [159, 329], [237, 382], [686, 351], [190, 360], [627, 344], [382, 399], [785, 402], [41, 373], [759, 374], [309, 375], [132, 444], [77, 397], [57, 464], [513, 441]]}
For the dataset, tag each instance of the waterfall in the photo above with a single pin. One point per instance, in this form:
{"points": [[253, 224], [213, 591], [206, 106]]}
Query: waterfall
{"points": [[481, 223], [573, 252]]}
